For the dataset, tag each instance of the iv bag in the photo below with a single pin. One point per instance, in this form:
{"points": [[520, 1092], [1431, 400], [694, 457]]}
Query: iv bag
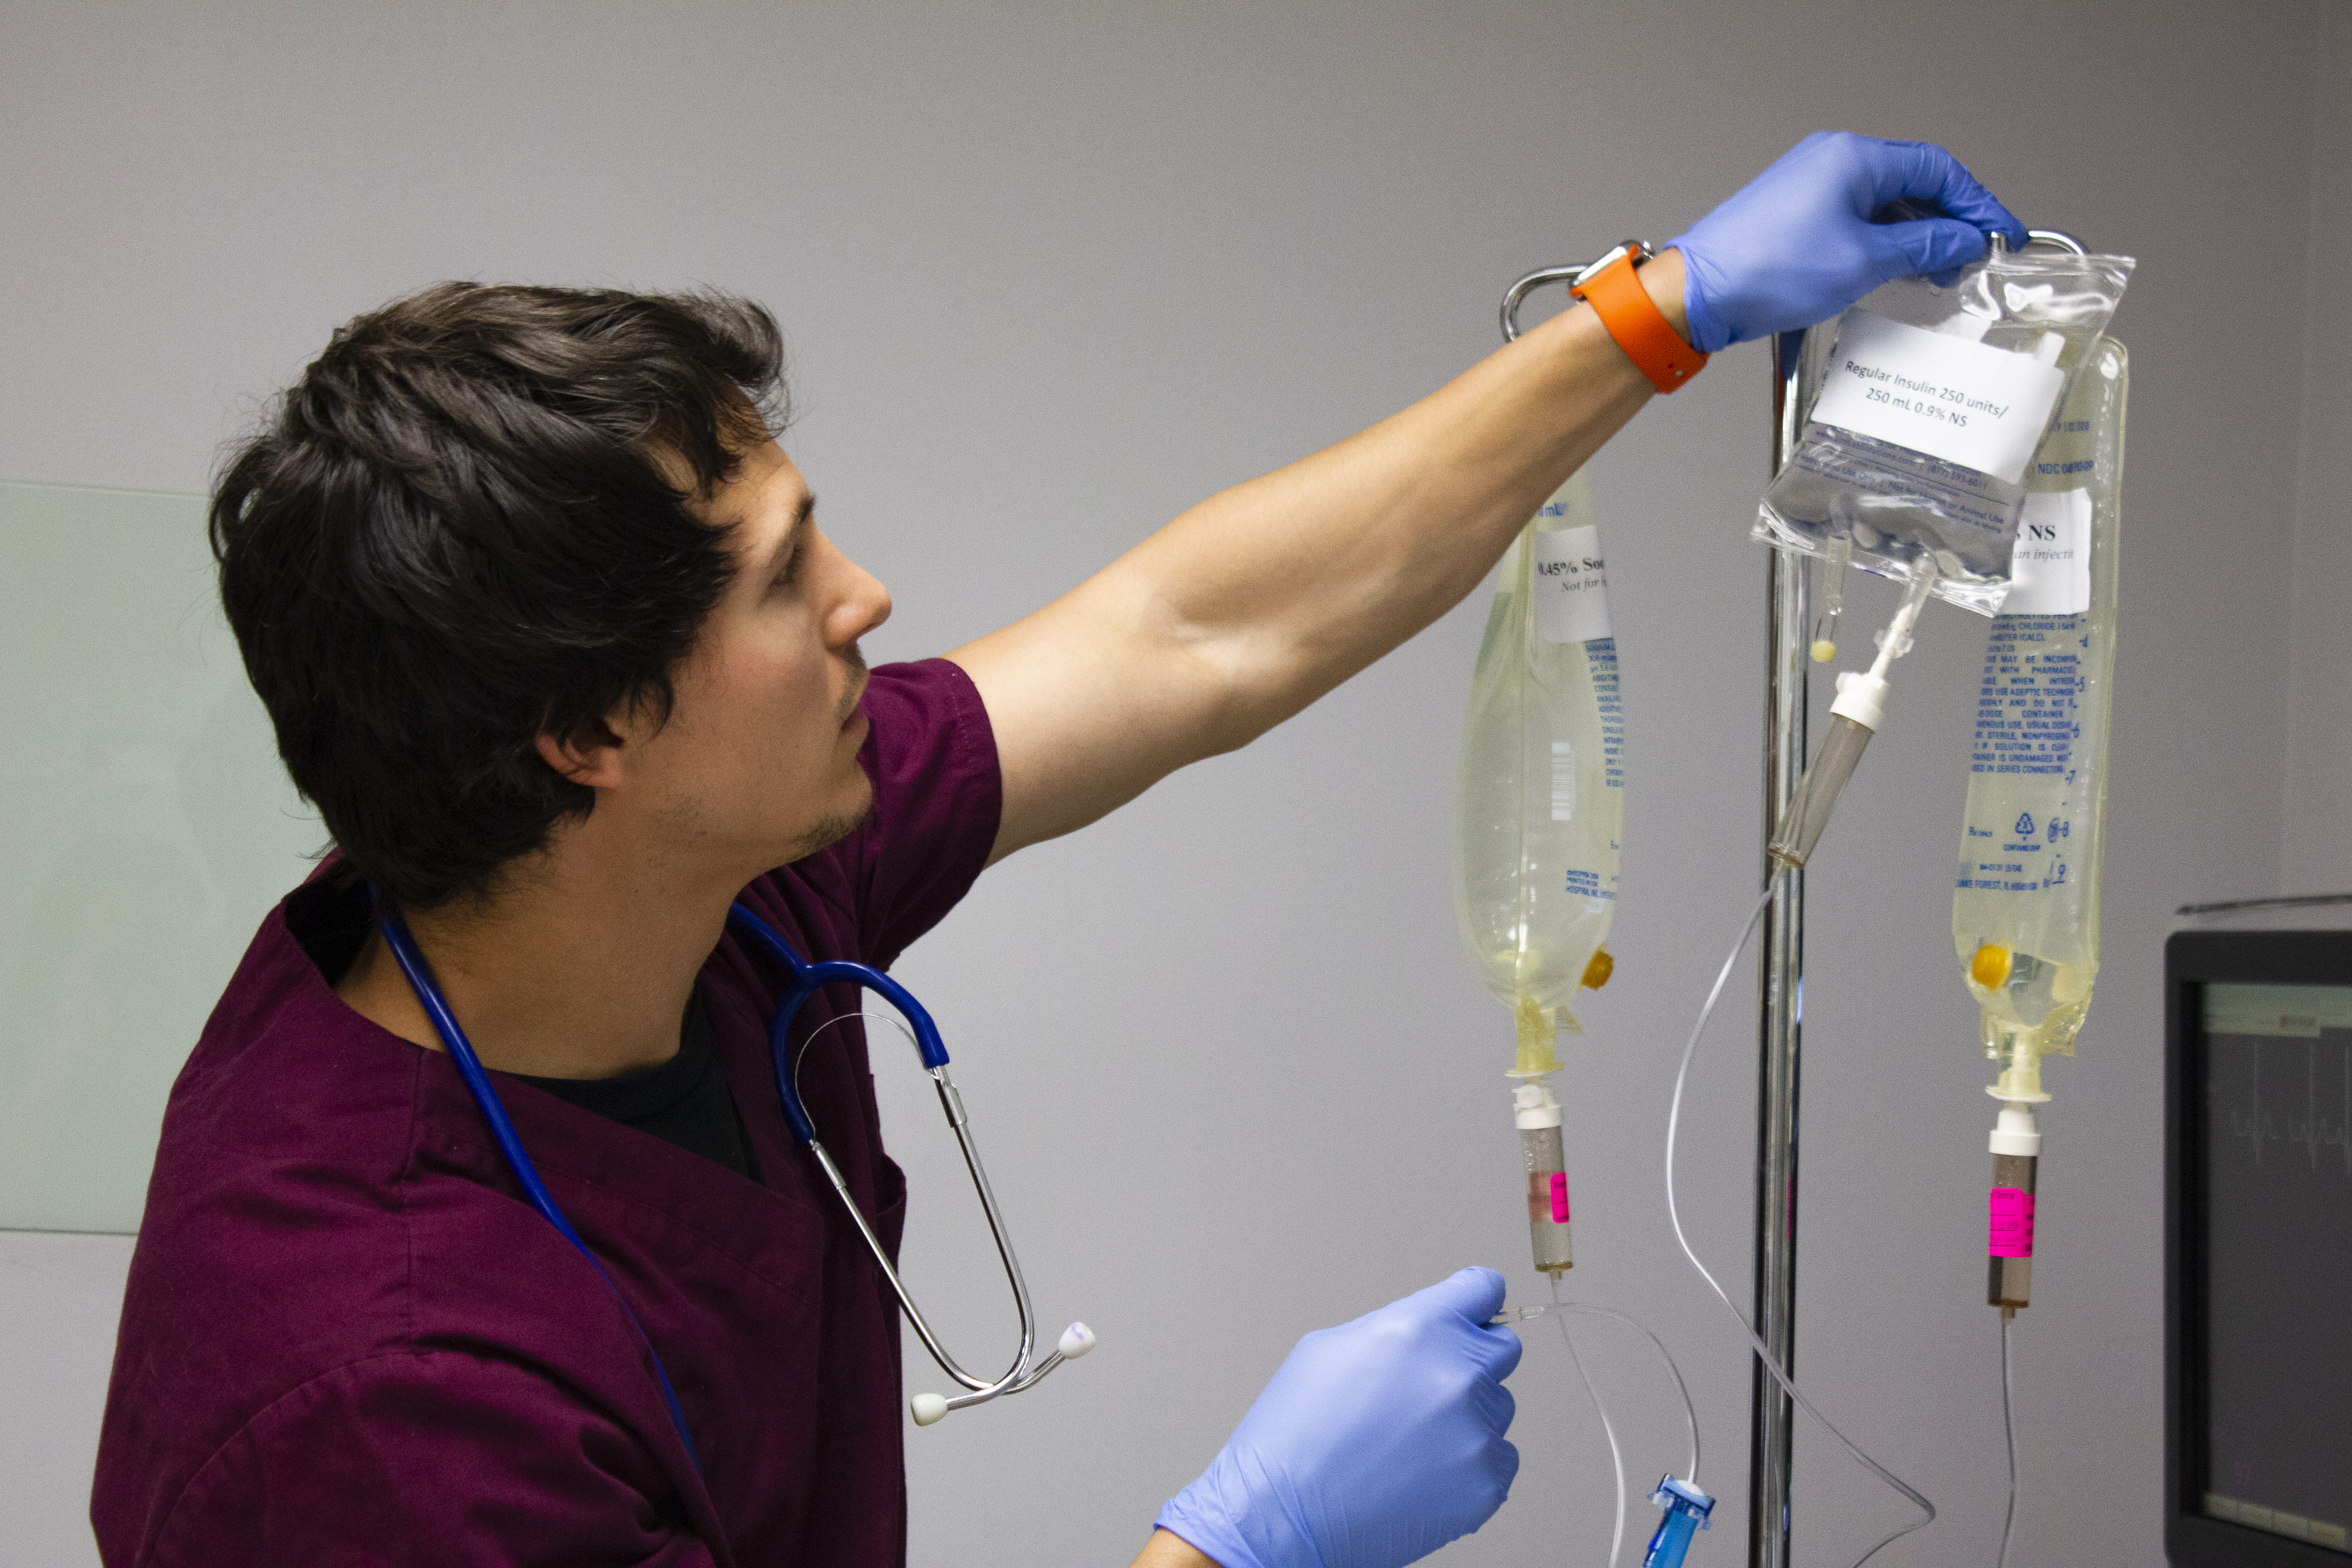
{"points": [[1542, 784], [2025, 917], [1931, 403]]}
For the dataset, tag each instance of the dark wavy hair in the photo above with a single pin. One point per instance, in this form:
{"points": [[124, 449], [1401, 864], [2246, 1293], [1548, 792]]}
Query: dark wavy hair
{"points": [[465, 528]]}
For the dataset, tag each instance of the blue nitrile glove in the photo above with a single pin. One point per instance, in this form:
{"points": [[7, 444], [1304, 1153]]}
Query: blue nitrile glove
{"points": [[1377, 1442], [1797, 245]]}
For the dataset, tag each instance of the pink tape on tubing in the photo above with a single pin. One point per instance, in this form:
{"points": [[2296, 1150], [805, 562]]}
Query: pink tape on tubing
{"points": [[2010, 1232], [1560, 1197]]}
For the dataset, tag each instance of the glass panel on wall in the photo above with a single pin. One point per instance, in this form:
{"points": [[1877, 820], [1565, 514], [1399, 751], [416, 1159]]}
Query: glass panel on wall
{"points": [[148, 828]]}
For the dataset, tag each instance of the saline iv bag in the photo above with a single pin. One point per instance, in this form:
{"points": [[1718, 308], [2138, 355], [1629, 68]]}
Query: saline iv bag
{"points": [[2026, 916], [1540, 802]]}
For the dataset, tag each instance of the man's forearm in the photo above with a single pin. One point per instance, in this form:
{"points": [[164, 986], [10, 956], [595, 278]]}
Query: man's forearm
{"points": [[1252, 605], [1294, 581]]}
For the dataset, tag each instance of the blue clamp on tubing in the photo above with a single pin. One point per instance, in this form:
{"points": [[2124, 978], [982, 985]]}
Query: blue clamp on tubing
{"points": [[1686, 1514], [807, 979]]}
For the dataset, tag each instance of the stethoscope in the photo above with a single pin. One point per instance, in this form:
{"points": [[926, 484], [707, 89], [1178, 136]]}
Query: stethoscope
{"points": [[806, 978]]}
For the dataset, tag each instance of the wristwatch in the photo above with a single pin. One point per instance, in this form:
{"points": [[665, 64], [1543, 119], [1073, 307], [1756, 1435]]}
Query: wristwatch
{"points": [[1631, 318]]}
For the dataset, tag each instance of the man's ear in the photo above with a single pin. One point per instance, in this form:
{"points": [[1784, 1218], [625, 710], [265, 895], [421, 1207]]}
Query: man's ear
{"points": [[590, 755]]}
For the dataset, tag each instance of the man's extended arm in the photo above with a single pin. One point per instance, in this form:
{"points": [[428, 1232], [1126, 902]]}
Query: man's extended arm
{"points": [[1253, 604], [1259, 600]]}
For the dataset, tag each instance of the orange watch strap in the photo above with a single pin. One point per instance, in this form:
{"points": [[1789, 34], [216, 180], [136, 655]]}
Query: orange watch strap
{"points": [[1640, 328]]}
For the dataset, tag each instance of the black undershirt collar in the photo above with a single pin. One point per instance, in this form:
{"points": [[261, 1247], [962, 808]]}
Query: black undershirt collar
{"points": [[684, 1101]]}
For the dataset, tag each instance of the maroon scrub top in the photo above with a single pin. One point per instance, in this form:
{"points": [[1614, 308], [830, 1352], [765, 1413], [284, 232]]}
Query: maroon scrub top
{"points": [[348, 1339]]}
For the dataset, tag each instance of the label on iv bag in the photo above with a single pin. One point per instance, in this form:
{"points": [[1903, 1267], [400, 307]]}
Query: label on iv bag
{"points": [[1570, 585], [1983, 408], [2050, 569]]}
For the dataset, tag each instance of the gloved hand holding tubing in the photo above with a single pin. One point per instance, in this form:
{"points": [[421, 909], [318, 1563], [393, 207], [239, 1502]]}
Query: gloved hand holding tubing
{"points": [[1376, 1443], [1797, 243]]}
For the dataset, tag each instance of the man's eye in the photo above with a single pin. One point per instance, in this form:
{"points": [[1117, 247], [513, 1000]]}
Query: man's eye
{"points": [[792, 572]]}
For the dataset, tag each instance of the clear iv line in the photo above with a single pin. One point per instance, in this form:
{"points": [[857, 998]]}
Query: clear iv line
{"points": [[1764, 1351], [1608, 1428], [1666, 1357], [2009, 1433], [1510, 1315]]}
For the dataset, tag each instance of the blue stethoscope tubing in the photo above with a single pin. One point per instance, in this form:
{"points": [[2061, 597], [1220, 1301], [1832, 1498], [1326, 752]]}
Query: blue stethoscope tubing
{"points": [[526, 1174], [805, 978]]}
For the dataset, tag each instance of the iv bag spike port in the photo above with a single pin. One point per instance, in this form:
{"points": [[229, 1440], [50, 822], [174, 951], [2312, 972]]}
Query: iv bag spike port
{"points": [[1536, 1036]]}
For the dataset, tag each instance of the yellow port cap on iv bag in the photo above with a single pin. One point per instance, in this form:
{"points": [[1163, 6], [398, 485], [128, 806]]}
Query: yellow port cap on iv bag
{"points": [[1990, 968], [1597, 973]]}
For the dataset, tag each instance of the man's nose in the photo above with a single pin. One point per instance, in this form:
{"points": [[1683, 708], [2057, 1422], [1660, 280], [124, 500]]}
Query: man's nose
{"points": [[863, 606]]}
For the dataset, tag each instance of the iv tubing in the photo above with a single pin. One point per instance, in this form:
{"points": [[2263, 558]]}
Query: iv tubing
{"points": [[1763, 1351], [1608, 1429], [1666, 1358], [2009, 1431]]}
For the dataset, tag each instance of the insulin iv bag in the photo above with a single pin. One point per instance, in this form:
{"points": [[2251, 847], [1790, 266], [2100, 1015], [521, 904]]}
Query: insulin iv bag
{"points": [[1932, 403], [2025, 917], [1542, 784]]}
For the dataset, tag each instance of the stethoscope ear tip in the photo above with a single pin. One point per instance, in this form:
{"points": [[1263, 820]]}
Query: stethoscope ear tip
{"points": [[1075, 1341]]}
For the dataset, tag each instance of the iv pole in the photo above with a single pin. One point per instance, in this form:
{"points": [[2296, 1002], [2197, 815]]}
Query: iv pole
{"points": [[1780, 994], [1779, 991]]}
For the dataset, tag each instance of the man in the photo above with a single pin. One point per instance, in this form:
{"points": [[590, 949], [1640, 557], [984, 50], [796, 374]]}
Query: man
{"points": [[550, 633]]}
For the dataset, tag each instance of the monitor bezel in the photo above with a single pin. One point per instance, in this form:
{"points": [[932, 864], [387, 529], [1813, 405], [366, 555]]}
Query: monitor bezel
{"points": [[2193, 960]]}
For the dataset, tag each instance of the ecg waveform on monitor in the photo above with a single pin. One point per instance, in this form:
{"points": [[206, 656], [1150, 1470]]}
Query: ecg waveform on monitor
{"points": [[2300, 1097]]}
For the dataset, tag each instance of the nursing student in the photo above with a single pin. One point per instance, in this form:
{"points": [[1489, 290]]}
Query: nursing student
{"points": [[554, 639]]}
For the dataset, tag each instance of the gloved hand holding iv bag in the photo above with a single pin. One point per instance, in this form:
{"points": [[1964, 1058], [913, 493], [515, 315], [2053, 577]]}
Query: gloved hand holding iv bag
{"points": [[1797, 245], [1376, 1443]]}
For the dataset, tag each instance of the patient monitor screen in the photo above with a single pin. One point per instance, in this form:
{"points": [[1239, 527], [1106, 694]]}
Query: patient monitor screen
{"points": [[2278, 1250]]}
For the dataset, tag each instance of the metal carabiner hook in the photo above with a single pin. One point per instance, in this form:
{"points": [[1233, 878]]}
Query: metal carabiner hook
{"points": [[1571, 276], [1997, 248], [2053, 236]]}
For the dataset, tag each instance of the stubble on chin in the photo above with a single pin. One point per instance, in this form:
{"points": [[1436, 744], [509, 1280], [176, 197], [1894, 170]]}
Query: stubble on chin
{"points": [[830, 830]]}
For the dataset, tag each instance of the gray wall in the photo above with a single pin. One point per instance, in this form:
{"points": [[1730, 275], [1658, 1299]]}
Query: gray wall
{"points": [[1052, 274], [2317, 832]]}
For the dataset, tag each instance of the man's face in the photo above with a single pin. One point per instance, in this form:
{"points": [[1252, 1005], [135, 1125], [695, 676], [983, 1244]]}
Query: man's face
{"points": [[757, 764]]}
